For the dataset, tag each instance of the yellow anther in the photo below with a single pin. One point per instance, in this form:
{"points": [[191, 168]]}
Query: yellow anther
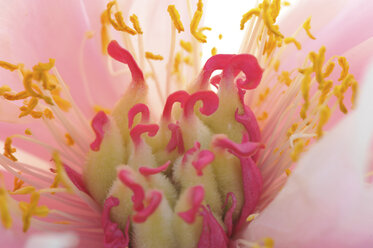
{"points": [[47, 113], [177, 63], [69, 140], [89, 34], [329, 69], [324, 117], [345, 67], [288, 172], [275, 9], [276, 150], [186, 45], [105, 38], [175, 17], [28, 131], [268, 20], [292, 129], [276, 66], [195, 22], [6, 219], [328, 85], [307, 28], [263, 96], [152, 56], [36, 114], [9, 150], [32, 209], [44, 66], [17, 183], [284, 77], [294, 41], [98, 108], [8, 66], [188, 60], [346, 82], [27, 83], [297, 150], [251, 217], [220, 36], [268, 243], [59, 171], [23, 191], [4, 89], [248, 15], [63, 104], [29, 108], [286, 3], [338, 92], [263, 117], [214, 51], [118, 23], [136, 23], [305, 87]]}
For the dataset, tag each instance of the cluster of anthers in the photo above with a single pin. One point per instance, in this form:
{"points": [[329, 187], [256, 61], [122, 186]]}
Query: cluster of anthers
{"points": [[196, 176]]}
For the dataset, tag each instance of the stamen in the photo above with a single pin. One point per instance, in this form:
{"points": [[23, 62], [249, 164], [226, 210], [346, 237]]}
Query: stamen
{"points": [[294, 41], [136, 109], [30, 209], [9, 150], [214, 51], [6, 219], [8, 66], [69, 140], [98, 123], [187, 46], [307, 27], [248, 15], [175, 17], [344, 64], [197, 195], [119, 24], [146, 171], [195, 22], [324, 117], [152, 56], [136, 24], [268, 20], [155, 199]]}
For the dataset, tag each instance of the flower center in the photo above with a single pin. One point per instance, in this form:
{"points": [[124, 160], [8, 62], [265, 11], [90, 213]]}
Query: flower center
{"points": [[173, 177]]}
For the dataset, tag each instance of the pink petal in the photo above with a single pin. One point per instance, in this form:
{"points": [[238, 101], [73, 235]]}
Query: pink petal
{"points": [[326, 201]]}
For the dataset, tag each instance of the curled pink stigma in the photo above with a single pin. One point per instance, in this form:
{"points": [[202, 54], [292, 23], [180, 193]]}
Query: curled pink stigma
{"points": [[228, 218], [139, 129], [113, 236], [138, 191], [138, 108], [97, 124], [146, 171], [244, 149], [179, 96], [204, 158], [176, 139], [217, 62], [191, 151], [196, 194], [154, 201], [215, 81], [248, 64], [124, 56], [209, 99]]}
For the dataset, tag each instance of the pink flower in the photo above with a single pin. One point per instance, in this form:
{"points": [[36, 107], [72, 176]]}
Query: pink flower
{"points": [[142, 147]]}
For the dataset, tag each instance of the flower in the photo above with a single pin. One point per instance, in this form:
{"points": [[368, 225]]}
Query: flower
{"points": [[214, 159]]}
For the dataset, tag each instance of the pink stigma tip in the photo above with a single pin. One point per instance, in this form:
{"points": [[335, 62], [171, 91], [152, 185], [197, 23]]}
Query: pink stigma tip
{"points": [[139, 129], [191, 151], [75, 178], [217, 62], [146, 171], [205, 157], [142, 215], [197, 194], [138, 108], [209, 99], [245, 149], [124, 56], [176, 139], [138, 191], [97, 124], [178, 96]]}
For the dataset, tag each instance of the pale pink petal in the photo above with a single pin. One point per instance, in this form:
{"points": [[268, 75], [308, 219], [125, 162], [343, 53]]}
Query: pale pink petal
{"points": [[326, 201]]}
